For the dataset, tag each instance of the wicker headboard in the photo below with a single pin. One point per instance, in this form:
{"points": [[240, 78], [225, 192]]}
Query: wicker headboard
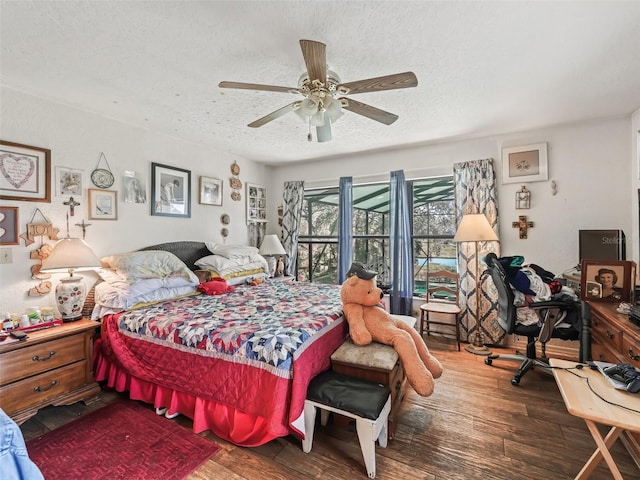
{"points": [[188, 252]]}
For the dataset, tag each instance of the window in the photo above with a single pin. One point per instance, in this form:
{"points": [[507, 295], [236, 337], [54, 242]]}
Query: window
{"points": [[433, 230]]}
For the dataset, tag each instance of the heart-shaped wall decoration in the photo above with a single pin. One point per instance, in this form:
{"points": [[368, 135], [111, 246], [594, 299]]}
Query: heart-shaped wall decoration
{"points": [[17, 170]]}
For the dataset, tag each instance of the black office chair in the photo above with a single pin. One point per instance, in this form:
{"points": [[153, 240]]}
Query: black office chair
{"points": [[551, 324]]}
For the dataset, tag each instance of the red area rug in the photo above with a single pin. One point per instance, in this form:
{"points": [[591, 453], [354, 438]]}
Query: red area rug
{"points": [[120, 441]]}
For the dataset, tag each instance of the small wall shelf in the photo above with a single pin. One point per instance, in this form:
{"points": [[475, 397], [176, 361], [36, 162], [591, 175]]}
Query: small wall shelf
{"points": [[256, 203]]}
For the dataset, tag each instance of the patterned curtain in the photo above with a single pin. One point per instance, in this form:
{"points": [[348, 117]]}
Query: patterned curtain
{"points": [[345, 228], [293, 197], [400, 246], [476, 192], [257, 231]]}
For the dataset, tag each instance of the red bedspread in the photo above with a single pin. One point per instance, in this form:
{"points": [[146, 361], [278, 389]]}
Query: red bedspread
{"points": [[238, 364]]}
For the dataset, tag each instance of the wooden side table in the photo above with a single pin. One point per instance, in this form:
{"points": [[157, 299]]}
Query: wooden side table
{"points": [[52, 367], [588, 395]]}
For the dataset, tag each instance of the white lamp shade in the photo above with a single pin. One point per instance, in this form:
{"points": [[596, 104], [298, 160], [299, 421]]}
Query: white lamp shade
{"points": [[271, 246], [475, 227], [70, 254]]}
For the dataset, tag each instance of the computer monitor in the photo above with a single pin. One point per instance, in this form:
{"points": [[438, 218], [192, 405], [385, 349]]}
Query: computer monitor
{"points": [[601, 245]]}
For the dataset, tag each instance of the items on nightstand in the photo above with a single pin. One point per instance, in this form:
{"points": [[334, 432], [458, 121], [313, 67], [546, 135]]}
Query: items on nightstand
{"points": [[270, 249], [70, 255]]}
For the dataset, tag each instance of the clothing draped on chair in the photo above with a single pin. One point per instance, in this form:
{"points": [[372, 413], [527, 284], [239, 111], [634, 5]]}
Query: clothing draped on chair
{"points": [[345, 228], [476, 192], [400, 246], [293, 197]]}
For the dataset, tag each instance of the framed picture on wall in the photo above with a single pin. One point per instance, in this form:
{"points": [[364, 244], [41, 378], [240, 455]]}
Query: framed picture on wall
{"points": [[69, 182], [525, 164], [25, 172], [9, 226], [170, 191], [210, 191], [608, 280], [103, 204]]}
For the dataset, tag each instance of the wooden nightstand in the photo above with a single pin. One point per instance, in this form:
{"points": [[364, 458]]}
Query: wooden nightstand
{"points": [[52, 367]]}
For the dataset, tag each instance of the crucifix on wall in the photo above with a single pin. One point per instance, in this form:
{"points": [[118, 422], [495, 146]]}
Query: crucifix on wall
{"points": [[523, 226]]}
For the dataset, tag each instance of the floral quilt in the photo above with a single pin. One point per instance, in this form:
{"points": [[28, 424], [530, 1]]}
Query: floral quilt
{"points": [[254, 349]]}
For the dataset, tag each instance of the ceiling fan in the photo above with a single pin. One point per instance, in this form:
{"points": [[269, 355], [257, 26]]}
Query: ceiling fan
{"points": [[320, 86]]}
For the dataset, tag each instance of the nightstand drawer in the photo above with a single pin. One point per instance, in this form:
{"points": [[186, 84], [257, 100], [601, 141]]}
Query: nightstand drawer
{"points": [[42, 388], [40, 358]]}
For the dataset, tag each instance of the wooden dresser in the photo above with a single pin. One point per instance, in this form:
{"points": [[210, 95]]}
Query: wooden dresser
{"points": [[615, 339], [52, 367]]}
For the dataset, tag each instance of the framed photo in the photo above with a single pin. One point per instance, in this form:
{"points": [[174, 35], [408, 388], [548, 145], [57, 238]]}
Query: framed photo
{"points": [[69, 182], [210, 191], [525, 164], [170, 191], [25, 172], [103, 204], [608, 280], [134, 188], [256, 203], [9, 226]]}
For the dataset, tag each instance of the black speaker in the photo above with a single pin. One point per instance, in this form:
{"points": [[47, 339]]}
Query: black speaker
{"points": [[602, 245]]}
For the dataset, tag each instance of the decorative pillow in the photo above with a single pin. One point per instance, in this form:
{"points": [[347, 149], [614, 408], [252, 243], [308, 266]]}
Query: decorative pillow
{"points": [[230, 251], [226, 266], [136, 266]]}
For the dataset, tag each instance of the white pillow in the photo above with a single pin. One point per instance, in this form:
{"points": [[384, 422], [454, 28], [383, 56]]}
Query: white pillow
{"points": [[225, 266], [135, 266], [230, 251]]}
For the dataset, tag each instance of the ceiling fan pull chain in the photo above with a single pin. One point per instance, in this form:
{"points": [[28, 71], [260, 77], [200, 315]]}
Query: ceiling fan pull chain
{"points": [[309, 137]]}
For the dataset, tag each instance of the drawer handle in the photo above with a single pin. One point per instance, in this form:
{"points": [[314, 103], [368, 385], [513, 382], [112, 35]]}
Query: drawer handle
{"points": [[36, 358], [635, 357], [38, 389], [609, 334]]}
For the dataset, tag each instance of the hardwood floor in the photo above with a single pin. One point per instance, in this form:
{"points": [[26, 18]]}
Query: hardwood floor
{"points": [[475, 426]]}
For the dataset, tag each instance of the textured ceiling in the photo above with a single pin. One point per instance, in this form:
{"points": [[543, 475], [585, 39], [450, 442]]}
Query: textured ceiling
{"points": [[483, 67]]}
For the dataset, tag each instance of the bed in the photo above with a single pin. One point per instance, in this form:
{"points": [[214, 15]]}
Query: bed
{"points": [[236, 363]]}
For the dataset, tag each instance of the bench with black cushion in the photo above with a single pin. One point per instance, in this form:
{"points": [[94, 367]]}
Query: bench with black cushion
{"points": [[368, 403]]}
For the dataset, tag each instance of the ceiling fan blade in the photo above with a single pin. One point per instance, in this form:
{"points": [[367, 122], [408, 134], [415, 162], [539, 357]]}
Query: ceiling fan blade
{"points": [[368, 111], [273, 115], [315, 58], [257, 86], [388, 82]]}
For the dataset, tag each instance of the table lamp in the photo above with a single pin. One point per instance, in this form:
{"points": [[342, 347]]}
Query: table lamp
{"points": [[269, 249], [475, 228], [70, 255]]}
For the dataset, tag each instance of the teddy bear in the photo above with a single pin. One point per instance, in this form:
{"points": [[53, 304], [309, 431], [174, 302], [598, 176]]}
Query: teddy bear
{"points": [[368, 322]]}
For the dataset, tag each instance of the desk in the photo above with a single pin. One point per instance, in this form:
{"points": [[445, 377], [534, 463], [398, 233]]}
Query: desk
{"points": [[582, 402]]}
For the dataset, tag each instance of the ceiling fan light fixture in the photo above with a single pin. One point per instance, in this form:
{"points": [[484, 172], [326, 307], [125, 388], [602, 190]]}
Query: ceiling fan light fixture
{"points": [[323, 133], [317, 119], [333, 108]]}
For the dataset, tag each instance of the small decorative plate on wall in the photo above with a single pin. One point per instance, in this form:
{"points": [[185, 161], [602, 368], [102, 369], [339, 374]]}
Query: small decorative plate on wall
{"points": [[102, 177], [224, 218]]}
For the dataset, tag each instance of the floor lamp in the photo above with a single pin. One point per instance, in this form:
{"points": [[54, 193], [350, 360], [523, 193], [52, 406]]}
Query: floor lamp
{"points": [[475, 228]]}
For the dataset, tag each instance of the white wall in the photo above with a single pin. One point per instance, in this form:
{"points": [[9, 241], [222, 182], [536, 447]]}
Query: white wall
{"points": [[76, 139], [591, 164], [594, 165]]}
